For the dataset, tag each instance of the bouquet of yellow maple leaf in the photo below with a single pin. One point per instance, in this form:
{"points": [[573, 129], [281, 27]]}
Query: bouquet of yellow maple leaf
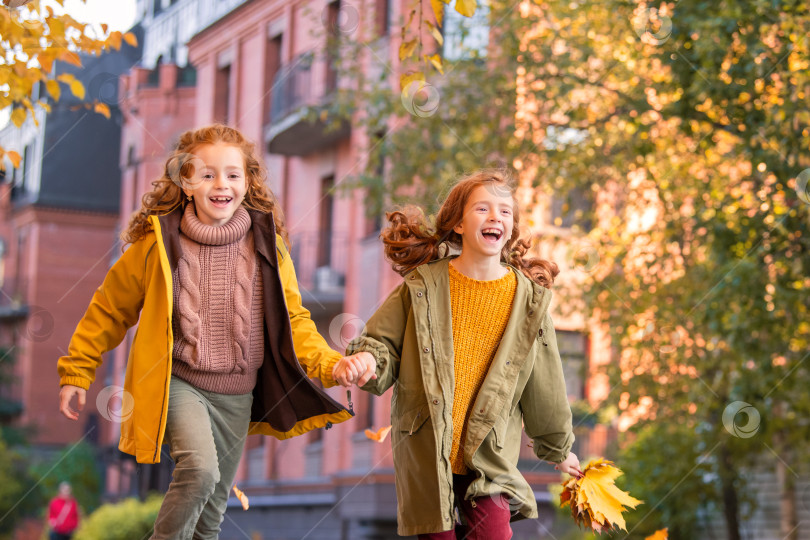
{"points": [[595, 500]]}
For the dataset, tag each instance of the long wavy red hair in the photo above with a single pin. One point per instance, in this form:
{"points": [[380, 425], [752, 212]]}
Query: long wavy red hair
{"points": [[410, 242], [167, 193]]}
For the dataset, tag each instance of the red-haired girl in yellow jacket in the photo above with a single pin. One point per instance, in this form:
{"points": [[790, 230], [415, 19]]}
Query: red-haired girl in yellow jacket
{"points": [[222, 335]]}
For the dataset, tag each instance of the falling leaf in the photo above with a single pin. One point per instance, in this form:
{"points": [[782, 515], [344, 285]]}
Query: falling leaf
{"points": [[380, 435], [15, 158], [242, 497], [102, 108], [663, 534], [466, 7], [406, 49], [596, 503]]}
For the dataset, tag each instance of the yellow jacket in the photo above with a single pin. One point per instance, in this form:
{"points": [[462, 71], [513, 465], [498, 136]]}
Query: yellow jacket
{"points": [[138, 289]]}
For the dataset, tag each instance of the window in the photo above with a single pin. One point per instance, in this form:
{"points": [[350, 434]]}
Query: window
{"points": [[573, 352], [464, 37], [325, 222], [272, 65], [332, 47], [222, 94], [382, 16], [18, 185]]}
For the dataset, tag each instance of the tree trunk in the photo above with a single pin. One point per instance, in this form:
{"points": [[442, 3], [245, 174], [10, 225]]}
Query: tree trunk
{"points": [[731, 505]]}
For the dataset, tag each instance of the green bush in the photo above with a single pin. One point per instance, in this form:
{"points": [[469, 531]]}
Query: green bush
{"points": [[129, 519]]}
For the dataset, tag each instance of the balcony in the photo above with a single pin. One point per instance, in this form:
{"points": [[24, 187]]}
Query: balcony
{"points": [[294, 94], [320, 265]]}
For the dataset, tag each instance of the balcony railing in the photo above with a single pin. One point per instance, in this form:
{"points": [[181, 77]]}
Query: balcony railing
{"points": [[320, 262], [292, 87], [294, 91]]}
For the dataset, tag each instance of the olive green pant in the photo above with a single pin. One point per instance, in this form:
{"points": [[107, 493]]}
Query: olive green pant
{"points": [[206, 433]]}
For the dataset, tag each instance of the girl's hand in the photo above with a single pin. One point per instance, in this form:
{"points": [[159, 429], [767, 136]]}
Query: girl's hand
{"points": [[65, 395], [356, 369], [570, 465]]}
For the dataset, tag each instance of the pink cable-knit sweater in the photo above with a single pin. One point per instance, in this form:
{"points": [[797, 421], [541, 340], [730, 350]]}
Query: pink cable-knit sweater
{"points": [[218, 316]]}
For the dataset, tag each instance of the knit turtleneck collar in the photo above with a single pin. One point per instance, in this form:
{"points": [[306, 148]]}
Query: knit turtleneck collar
{"points": [[211, 235]]}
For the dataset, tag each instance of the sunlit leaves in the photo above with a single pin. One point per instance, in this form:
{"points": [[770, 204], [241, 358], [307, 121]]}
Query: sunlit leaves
{"points": [[32, 38]]}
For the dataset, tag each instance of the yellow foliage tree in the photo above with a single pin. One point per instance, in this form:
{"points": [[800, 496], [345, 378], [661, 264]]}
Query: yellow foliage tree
{"points": [[32, 38]]}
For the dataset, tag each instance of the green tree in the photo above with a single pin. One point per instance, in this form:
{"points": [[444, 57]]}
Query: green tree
{"points": [[678, 129]]}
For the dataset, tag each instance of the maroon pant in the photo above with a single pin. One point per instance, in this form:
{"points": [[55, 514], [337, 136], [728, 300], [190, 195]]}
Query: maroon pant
{"points": [[487, 518]]}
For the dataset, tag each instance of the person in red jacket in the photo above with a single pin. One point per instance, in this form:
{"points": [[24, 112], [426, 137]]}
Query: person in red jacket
{"points": [[63, 514]]}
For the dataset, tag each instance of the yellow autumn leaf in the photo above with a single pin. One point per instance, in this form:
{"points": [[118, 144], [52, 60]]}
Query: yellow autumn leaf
{"points": [[436, 60], [406, 79], [595, 501], [102, 108], [77, 89], [466, 7], [130, 38], [114, 39], [406, 49], [18, 115], [438, 10], [663, 534], [56, 29], [44, 105], [437, 35], [15, 158], [53, 89], [70, 57]]}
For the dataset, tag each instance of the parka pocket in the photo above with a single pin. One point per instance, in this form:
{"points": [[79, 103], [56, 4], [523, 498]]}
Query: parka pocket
{"points": [[412, 420]]}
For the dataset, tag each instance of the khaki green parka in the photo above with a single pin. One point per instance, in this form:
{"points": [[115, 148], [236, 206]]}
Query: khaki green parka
{"points": [[411, 337]]}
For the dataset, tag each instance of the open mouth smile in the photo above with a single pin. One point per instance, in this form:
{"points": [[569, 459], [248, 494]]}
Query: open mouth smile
{"points": [[491, 234]]}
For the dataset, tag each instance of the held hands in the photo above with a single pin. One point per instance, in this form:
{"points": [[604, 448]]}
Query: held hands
{"points": [[570, 465], [356, 369], [66, 395]]}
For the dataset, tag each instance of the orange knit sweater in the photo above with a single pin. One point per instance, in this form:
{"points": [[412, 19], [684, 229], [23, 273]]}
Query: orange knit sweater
{"points": [[481, 311]]}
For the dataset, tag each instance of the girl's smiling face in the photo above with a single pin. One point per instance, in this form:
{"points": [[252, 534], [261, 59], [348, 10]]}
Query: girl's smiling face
{"points": [[218, 183], [487, 222]]}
